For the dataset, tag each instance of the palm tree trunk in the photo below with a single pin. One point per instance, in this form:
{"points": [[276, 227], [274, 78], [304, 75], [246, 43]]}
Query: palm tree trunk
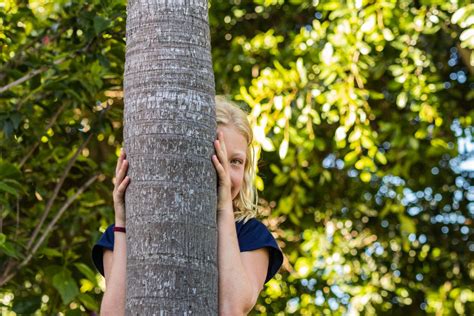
{"points": [[169, 126]]}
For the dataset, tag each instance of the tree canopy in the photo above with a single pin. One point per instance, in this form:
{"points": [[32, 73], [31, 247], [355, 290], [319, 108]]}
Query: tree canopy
{"points": [[362, 113]]}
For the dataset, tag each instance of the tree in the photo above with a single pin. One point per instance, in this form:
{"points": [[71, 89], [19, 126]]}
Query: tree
{"points": [[386, 246], [169, 126]]}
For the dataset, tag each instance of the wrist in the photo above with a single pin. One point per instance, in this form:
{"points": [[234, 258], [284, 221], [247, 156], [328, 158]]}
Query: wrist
{"points": [[119, 222], [225, 207], [226, 213]]}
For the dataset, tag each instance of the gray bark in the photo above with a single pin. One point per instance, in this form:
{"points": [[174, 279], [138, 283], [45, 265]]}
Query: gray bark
{"points": [[169, 126]]}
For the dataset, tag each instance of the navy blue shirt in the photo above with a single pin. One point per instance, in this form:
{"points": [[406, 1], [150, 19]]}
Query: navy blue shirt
{"points": [[251, 236]]}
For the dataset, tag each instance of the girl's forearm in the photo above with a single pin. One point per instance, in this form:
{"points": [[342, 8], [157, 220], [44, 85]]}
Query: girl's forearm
{"points": [[113, 302], [235, 296]]}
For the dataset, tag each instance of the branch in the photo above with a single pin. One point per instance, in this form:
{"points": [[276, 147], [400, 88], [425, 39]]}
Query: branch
{"points": [[44, 68], [32, 150], [6, 276], [56, 191], [30, 75], [56, 218], [12, 268]]}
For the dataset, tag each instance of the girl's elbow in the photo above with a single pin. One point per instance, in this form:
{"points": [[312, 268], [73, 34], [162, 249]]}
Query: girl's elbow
{"points": [[249, 306], [237, 306]]}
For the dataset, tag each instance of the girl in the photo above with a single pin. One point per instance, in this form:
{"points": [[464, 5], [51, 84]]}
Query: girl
{"points": [[248, 255]]}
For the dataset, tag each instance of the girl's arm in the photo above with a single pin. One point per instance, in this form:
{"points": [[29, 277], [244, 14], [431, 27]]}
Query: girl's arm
{"points": [[115, 262], [241, 275]]}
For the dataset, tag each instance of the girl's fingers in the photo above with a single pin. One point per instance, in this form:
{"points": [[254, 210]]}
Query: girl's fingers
{"points": [[120, 160], [220, 136], [220, 169], [221, 154], [119, 163], [221, 173], [123, 186], [121, 173]]}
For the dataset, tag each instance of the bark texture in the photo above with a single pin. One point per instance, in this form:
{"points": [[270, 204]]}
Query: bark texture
{"points": [[169, 126]]}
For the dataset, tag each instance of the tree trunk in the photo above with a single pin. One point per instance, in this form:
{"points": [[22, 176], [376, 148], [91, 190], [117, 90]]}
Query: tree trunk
{"points": [[169, 126]]}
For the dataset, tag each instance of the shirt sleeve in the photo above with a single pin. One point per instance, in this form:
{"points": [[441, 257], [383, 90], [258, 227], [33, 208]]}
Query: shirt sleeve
{"points": [[106, 241], [255, 235]]}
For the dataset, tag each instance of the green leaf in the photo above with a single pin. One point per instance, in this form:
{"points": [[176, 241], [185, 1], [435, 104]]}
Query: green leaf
{"points": [[402, 100], [100, 24], [381, 158], [8, 170], [350, 158], [274, 168], [245, 96], [365, 176], [283, 149], [329, 6], [438, 142], [27, 305], [86, 271], [65, 285], [407, 225], [286, 204], [51, 252], [458, 15], [16, 119], [6, 188], [294, 219], [414, 143], [88, 301], [8, 128], [303, 267], [281, 179], [301, 71], [9, 249], [267, 145]]}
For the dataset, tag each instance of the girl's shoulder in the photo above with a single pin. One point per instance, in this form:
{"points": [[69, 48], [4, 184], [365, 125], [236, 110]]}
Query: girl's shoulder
{"points": [[252, 226], [106, 241], [253, 235]]}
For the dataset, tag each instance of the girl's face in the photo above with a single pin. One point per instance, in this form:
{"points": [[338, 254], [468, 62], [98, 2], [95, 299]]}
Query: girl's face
{"points": [[236, 146]]}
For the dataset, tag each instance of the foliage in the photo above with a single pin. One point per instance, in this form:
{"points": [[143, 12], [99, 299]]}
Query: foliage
{"points": [[357, 107], [60, 130]]}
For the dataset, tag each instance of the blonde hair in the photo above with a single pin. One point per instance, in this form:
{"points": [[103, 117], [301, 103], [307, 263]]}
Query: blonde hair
{"points": [[229, 114]]}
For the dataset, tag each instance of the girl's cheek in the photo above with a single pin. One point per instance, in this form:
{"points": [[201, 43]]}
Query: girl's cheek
{"points": [[238, 179]]}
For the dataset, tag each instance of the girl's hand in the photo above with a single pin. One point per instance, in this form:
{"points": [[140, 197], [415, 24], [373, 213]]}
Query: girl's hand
{"points": [[221, 163], [120, 186]]}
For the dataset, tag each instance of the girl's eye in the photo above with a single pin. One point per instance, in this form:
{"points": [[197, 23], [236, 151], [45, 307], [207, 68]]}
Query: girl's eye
{"points": [[236, 161]]}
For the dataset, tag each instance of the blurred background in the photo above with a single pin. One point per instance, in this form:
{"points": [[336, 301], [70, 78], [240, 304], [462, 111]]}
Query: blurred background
{"points": [[363, 114]]}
